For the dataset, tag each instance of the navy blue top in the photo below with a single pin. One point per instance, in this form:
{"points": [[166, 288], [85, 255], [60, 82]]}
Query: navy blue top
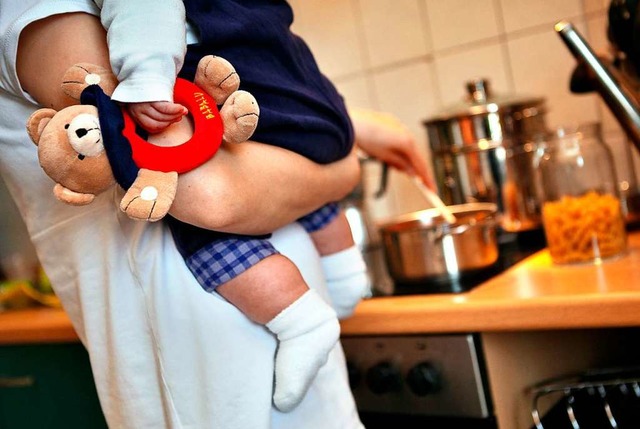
{"points": [[300, 109]]}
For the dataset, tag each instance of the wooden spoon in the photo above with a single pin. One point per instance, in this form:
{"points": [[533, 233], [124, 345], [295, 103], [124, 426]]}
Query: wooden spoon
{"points": [[435, 201]]}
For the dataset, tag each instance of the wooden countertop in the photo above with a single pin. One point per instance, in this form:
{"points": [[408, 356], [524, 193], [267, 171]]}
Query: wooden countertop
{"points": [[36, 325], [532, 295]]}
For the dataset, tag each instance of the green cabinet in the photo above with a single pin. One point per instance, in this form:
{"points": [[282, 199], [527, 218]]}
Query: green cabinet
{"points": [[48, 387]]}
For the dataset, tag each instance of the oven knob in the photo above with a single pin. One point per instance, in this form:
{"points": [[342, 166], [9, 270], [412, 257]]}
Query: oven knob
{"points": [[383, 378], [424, 379]]}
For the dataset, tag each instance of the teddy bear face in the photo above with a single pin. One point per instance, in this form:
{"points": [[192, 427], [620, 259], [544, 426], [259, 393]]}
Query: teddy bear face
{"points": [[84, 136], [71, 150]]}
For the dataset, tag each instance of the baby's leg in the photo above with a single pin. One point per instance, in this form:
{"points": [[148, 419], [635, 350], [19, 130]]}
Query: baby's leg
{"points": [[273, 293], [343, 265], [333, 237]]}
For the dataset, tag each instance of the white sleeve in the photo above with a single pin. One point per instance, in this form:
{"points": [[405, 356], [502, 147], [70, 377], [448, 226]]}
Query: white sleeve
{"points": [[147, 45]]}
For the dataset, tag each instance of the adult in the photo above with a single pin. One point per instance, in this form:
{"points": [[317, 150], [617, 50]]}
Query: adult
{"points": [[164, 353]]}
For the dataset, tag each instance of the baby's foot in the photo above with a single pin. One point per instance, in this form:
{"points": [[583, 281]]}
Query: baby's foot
{"points": [[347, 280], [307, 331]]}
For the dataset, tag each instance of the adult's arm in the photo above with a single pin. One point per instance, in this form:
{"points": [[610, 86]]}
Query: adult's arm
{"points": [[254, 188]]}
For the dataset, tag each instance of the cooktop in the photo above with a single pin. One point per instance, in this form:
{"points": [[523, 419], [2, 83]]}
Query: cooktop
{"points": [[512, 248]]}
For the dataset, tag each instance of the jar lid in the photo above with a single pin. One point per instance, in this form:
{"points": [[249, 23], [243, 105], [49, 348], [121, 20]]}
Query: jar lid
{"points": [[480, 100]]}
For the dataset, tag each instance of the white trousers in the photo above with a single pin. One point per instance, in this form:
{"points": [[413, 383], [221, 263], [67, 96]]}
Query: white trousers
{"points": [[166, 354]]}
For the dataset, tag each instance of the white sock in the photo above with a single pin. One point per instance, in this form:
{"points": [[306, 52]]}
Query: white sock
{"points": [[347, 280], [307, 330]]}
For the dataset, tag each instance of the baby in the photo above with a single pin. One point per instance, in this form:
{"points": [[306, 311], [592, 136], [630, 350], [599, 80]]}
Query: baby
{"points": [[248, 271]]}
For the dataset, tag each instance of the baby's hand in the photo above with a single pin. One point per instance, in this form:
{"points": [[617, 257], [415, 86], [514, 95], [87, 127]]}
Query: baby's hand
{"points": [[157, 115]]}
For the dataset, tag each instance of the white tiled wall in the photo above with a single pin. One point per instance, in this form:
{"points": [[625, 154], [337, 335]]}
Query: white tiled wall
{"points": [[413, 57]]}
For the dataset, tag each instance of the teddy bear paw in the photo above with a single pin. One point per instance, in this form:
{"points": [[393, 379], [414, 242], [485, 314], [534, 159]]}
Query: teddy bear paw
{"points": [[151, 195], [240, 114], [81, 75], [145, 205]]}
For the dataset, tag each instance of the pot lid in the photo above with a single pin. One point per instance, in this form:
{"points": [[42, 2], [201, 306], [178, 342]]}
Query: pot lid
{"points": [[480, 100]]}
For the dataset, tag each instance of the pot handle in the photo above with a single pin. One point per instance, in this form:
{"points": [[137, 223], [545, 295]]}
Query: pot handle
{"points": [[384, 179], [384, 174], [460, 229], [448, 230]]}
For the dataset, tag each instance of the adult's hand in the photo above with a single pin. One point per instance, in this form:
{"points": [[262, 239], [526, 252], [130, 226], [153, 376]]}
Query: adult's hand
{"points": [[383, 136]]}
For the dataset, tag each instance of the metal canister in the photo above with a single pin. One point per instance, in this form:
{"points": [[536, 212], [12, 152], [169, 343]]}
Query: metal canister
{"points": [[484, 150]]}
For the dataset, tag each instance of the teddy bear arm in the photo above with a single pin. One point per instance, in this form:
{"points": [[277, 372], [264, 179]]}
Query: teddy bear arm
{"points": [[151, 195]]}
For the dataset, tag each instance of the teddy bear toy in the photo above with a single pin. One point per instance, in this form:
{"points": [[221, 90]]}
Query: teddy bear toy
{"points": [[87, 148]]}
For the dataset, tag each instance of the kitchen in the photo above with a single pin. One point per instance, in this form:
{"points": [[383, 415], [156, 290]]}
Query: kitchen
{"points": [[431, 48]]}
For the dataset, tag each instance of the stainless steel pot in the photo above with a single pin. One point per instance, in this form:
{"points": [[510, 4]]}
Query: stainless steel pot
{"points": [[421, 245], [484, 150]]}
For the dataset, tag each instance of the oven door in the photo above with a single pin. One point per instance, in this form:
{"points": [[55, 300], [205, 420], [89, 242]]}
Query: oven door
{"points": [[409, 381]]}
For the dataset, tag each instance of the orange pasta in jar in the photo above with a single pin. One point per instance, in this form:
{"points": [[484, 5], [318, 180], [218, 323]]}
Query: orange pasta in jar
{"points": [[585, 228]]}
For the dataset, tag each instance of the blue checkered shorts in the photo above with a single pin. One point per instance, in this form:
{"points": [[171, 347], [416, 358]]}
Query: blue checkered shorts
{"points": [[226, 258], [320, 218], [222, 260]]}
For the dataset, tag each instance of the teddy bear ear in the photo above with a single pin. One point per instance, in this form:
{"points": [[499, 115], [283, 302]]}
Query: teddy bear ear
{"points": [[37, 121], [81, 75]]}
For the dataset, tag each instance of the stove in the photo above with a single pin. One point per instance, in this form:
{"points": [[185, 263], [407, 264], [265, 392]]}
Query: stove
{"points": [[419, 381], [512, 248], [415, 381]]}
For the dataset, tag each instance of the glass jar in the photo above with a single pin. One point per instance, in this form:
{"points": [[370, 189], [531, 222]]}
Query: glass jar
{"points": [[581, 213]]}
